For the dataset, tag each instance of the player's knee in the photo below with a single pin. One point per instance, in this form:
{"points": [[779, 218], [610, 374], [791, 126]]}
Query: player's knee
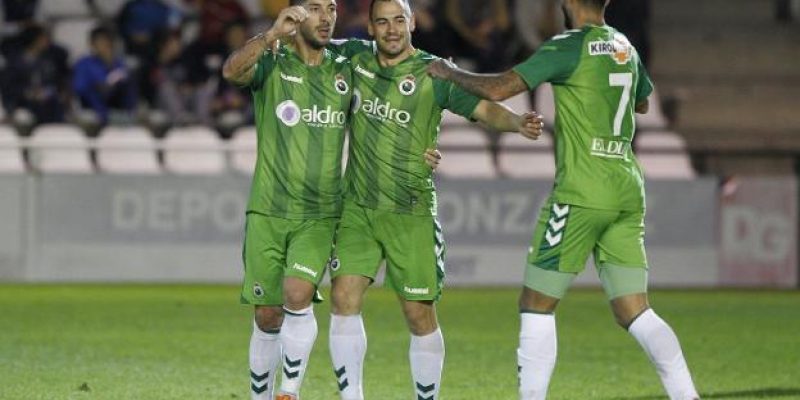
{"points": [[421, 318], [297, 293], [531, 300], [268, 318], [345, 300], [627, 308]]}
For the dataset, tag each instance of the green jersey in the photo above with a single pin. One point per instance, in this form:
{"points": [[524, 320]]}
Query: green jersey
{"points": [[597, 80], [301, 112], [396, 116]]}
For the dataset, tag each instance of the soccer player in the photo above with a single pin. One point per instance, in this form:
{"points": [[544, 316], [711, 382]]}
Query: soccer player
{"points": [[302, 95], [390, 202], [597, 204]]}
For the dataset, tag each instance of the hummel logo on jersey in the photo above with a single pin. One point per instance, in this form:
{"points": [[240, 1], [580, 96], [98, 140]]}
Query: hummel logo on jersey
{"points": [[619, 49], [554, 231], [413, 290], [305, 269], [364, 72], [293, 79]]}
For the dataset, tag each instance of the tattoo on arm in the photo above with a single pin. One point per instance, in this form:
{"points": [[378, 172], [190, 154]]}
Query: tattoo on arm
{"points": [[239, 68], [495, 87]]}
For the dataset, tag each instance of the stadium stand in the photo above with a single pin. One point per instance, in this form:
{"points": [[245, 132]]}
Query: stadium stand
{"points": [[52, 9], [193, 150], [110, 8], [243, 153], [726, 63], [663, 155], [60, 148], [524, 158], [11, 161], [127, 150], [468, 156]]}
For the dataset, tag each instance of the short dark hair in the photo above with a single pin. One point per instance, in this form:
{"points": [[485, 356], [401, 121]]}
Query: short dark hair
{"points": [[31, 34], [372, 5], [100, 32], [296, 2]]}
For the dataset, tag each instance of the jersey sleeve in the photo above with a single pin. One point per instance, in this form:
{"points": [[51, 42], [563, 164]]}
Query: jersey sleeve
{"points": [[349, 47], [644, 86], [452, 97], [554, 62], [264, 66]]}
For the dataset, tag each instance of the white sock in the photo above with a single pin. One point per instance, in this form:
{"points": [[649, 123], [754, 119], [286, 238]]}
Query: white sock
{"points": [[298, 332], [661, 345], [426, 354], [265, 354], [348, 344], [536, 355]]}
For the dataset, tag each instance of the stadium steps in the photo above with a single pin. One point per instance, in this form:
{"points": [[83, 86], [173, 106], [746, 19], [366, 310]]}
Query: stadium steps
{"points": [[731, 69]]}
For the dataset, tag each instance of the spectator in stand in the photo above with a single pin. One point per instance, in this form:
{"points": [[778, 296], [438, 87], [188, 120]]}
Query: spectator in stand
{"points": [[228, 98], [632, 18], [215, 16], [535, 21], [101, 80], [353, 19], [481, 28], [36, 79], [17, 15], [140, 22], [481, 34], [168, 79], [428, 36], [219, 96]]}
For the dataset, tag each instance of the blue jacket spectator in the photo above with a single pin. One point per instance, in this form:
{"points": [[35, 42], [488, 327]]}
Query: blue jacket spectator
{"points": [[101, 80]]}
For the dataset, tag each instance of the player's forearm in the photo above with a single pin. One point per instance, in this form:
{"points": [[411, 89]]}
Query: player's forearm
{"points": [[239, 68], [500, 118], [488, 86]]}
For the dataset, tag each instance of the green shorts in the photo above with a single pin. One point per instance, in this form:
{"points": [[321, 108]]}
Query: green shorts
{"points": [[412, 245], [566, 234], [275, 248]]}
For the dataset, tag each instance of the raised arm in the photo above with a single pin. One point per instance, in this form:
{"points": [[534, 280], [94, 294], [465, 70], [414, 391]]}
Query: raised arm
{"points": [[502, 119], [495, 87], [240, 67]]}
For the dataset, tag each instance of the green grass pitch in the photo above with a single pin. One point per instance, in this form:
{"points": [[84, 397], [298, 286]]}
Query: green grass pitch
{"points": [[190, 342]]}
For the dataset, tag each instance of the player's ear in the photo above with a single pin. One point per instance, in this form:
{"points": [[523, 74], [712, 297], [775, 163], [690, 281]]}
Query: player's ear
{"points": [[369, 28]]}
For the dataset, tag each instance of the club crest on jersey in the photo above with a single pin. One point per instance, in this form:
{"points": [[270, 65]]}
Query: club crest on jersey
{"points": [[288, 112], [334, 264], [619, 49], [341, 85], [258, 291], [408, 85]]}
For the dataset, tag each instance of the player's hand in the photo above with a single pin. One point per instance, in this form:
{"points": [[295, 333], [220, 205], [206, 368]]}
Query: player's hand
{"points": [[441, 68], [531, 125], [432, 158], [288, 21]]}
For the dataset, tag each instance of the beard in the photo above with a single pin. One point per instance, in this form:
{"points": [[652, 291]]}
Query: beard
{"points": [[385, 48], [310, 37]]}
